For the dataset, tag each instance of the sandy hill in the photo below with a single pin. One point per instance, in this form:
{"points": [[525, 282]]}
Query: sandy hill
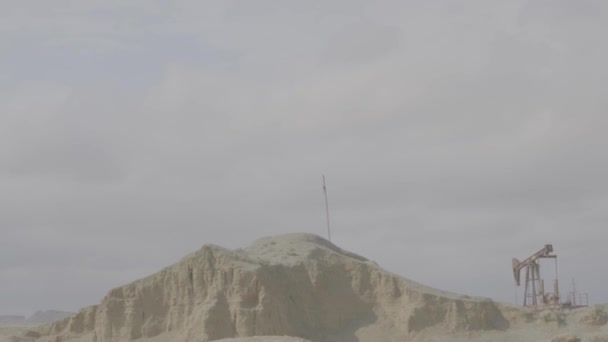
{"points": [[303, 286]]}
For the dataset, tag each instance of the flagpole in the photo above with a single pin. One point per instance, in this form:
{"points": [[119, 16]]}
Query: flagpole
{"points": [[326, 209]]}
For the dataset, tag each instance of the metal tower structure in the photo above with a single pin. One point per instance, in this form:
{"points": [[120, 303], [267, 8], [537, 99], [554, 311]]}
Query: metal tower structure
{"points": [[326, 210]]}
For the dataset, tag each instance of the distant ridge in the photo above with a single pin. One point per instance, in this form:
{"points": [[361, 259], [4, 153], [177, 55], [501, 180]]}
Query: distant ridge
{"points": [[48, 316], [39, 317], [12, 319]]}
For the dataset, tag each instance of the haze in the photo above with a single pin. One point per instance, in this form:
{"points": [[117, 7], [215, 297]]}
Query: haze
{"points": [[454, 136]]}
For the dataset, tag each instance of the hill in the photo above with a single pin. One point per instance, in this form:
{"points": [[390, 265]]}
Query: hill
{"points": [[303, 286]]}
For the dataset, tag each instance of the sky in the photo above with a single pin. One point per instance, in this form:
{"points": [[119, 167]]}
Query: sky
{"points": [[454, 136]]}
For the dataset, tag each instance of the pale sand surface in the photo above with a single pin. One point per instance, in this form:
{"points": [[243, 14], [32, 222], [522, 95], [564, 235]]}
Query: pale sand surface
{"points": [[263, 339]]}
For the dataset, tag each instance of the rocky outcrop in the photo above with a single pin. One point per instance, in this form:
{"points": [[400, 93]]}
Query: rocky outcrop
{"points": [[296, 285]]}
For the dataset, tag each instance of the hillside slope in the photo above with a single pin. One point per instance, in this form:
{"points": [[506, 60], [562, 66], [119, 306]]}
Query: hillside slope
{"points": [[303, 286]]}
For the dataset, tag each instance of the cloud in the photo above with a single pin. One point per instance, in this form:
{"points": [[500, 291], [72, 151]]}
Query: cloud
{"points": [[459, 134]]}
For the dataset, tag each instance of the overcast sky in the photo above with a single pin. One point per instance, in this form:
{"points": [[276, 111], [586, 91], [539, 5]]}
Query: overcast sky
{"points": [[453, 135]]}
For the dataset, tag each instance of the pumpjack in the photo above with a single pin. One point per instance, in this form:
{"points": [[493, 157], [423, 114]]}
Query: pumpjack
{"points": [[535, 286]]}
